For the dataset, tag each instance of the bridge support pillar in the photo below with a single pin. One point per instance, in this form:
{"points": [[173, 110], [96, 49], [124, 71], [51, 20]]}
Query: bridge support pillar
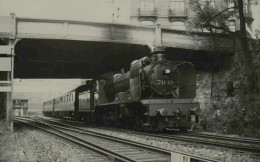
{"points": [[6, 84], [158, 47]]}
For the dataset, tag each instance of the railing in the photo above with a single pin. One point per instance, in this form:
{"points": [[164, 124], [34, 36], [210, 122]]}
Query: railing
{"points": [[147, 12], [171, 13], [177, 13]]}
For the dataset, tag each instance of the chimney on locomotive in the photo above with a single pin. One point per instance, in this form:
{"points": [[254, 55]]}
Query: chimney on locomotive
{"points": [[122, 70], [158, 55]]}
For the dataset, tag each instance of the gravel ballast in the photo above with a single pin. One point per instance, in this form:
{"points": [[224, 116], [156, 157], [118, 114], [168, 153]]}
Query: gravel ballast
{"points": [[30, 144], [196, 149]]}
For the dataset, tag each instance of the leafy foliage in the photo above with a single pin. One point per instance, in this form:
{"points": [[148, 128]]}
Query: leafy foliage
{"points": [[209, 18], [234, 116], [239, 114]]}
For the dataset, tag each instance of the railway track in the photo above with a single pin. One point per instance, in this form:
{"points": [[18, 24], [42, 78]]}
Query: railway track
{"points": [[225, 138], [133, 151], [119, 151], [234, 143]]}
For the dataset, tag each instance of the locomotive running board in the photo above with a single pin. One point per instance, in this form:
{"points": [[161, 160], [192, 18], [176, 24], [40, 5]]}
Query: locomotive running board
{"points": [[159, 101], [117, 103]]}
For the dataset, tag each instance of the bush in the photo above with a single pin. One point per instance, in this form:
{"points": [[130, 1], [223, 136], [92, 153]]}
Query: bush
{"points": [[234, 116]]}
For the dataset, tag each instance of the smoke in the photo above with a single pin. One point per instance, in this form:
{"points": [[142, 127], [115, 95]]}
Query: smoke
{"points": [[149, 43]]}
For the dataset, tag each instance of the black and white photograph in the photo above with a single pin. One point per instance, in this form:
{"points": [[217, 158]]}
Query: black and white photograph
{"points": [[130, 80]]}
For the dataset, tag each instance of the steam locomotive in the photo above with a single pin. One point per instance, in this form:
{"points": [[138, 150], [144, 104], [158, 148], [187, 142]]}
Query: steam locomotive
{"points": [[155, 94]]}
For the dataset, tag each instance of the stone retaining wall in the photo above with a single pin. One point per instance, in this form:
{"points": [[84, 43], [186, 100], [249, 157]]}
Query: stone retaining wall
{"points": [[231, 81]]}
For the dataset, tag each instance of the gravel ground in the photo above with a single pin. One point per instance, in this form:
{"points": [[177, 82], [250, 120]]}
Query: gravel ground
{"points": [[196, 149], [226, 135], [29, 144]]}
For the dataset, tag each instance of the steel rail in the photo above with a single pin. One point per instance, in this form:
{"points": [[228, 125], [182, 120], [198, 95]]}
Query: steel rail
{"points": [[252, 148], [235, 139], [144, 146], [81, 142]]}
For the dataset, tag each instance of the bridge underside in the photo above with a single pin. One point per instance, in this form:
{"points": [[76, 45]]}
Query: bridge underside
{"points": [[38, 58]]}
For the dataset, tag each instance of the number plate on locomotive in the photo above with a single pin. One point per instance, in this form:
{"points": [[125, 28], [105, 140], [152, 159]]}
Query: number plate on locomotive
{"points": [[164, 82]]}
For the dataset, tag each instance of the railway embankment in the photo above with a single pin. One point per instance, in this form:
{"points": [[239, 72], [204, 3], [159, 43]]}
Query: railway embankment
{"points": [[229, 103]]}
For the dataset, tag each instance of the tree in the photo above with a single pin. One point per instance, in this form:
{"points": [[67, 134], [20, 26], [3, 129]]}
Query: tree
{"points": [[240, 111], [209, 18]]}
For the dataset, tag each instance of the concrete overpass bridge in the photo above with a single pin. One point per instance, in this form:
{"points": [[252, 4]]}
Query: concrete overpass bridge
{"points": [[19, 28], [20, 33], [15, 29]]}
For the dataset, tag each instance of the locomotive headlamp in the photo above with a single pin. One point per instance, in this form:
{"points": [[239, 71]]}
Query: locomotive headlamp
{"points": [[163, 111], [167, 70], [179, 110]]}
